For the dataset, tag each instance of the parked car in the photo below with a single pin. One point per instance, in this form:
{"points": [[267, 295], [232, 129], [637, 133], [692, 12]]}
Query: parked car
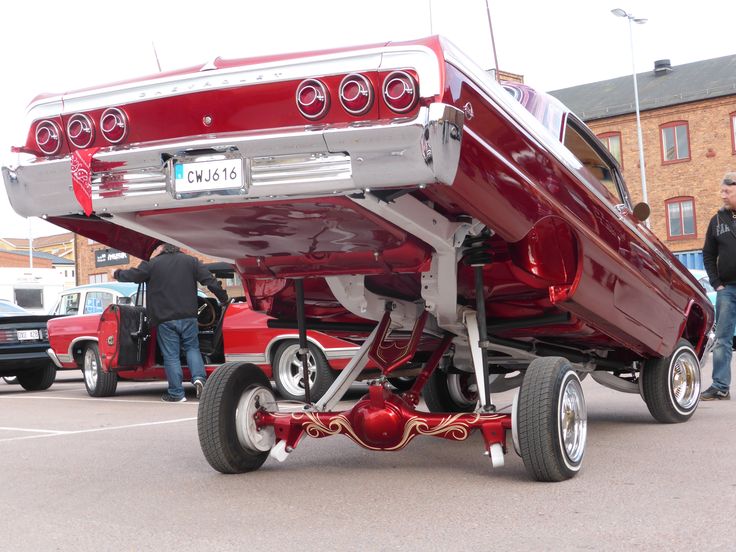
{"points": [[23, 345], [94, 315], [399, 195]]}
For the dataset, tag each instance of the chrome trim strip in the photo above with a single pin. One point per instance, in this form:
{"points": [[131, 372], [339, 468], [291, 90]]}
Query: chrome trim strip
{"points": [[250, 358]]}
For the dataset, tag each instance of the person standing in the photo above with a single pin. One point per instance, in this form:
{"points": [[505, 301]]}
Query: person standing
{"points": [[171, 303], [719, 258]]}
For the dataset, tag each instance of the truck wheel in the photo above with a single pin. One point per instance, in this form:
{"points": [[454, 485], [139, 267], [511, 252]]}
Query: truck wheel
{"points": [[671, 385], [288, 374], [450, 392], [551, 420], [38, 379], [98, 382], [228, 435]]}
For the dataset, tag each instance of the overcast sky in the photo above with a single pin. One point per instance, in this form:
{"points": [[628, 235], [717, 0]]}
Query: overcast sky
{"points": [[57, 46]]}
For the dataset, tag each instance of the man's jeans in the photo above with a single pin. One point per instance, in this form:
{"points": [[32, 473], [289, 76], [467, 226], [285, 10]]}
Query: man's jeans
{"points": [[175, 336], [725, 324]]}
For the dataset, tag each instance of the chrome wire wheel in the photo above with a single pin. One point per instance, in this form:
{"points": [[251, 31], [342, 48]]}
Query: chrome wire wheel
{"points": [[249, 435], [291, 370], [90, 368], [573, 420], [685, 379]]}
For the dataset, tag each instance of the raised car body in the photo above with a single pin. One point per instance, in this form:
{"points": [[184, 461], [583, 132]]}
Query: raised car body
{"points": [[484, 226]]}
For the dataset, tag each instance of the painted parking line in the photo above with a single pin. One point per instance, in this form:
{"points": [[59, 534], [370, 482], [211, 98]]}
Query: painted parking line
{"points": [[53, 398], [54, 433]]}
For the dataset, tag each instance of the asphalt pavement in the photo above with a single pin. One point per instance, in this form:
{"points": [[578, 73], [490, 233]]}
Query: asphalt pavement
{"points": [[127, 473]]}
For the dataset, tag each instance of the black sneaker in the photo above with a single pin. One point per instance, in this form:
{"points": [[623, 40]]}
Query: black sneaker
{"points": [[199, 387], [169, 398], [714, 394]]}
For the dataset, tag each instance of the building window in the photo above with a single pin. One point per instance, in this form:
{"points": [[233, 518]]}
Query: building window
{"points": [[612, 141], [733, 133], [680, 218], [675, 142], [97, 278]]}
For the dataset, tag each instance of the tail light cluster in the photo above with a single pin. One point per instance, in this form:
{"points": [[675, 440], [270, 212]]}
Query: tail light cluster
{"points": [[81, 131], [399, 90]]}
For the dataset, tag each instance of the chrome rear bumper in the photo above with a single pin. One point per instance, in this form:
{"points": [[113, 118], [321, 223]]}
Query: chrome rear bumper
{"points": [[294, 162]]}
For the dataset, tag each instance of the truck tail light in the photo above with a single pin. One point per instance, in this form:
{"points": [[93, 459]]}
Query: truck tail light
{"points": [[400, 91], [48, 137], [80, 130], [312, 99], [356, 94], [114, 125]]}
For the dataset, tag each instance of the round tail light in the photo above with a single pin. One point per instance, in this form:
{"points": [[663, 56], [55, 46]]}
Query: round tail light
{"points": [[312, 99], [80, 130], [356, 94], [114, 125], [400, 91], [48, 137]]}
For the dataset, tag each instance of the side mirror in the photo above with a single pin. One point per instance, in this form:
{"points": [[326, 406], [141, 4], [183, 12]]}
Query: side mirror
{"points": [[642, 211]]}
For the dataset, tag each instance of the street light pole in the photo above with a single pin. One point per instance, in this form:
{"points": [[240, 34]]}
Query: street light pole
{"points": [[621, 13]]}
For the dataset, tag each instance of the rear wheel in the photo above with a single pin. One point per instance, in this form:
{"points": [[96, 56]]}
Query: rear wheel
{"points": [[98, 382], [39, 378], [228, 435], [450, 392], [288, 372], [671, 385], [551, 420]]}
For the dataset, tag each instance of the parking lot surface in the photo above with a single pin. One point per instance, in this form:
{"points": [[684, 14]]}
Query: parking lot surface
{"points": [[127, 473]]}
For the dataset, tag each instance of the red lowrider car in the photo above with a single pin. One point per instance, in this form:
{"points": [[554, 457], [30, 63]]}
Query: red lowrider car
{"points": [[398, 195], [79, 340]]}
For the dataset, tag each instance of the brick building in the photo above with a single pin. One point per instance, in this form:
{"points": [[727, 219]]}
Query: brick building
{"points": [[58, 245], [688, 121]]}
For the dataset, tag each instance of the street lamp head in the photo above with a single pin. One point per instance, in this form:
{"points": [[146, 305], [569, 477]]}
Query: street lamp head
{"points": [[640, 20], [618, 12]]}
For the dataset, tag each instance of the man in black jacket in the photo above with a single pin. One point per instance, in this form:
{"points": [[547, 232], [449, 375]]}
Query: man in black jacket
{"points": [[171, 302], [719, 258]]}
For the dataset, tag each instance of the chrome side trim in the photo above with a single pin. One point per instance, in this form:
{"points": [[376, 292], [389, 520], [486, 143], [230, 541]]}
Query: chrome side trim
{"points": [[252, 359]]}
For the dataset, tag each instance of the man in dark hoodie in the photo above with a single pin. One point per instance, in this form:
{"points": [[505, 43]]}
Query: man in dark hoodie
{"points": [[171, 303], [719, 258]]}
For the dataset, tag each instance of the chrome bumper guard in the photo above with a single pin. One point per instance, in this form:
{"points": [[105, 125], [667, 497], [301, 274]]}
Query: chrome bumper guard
{"points": [[296, 162], [54, 358]]}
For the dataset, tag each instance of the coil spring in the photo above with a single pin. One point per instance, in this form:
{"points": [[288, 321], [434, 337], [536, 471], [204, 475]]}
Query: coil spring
{"points": [[477, 250]]}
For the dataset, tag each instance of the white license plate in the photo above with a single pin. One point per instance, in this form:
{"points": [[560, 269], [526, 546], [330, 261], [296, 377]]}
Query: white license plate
{"points": [[204, 176], [24, 335]]}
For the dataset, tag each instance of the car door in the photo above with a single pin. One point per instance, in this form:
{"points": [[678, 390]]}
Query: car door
{"points": [[124, 337]]}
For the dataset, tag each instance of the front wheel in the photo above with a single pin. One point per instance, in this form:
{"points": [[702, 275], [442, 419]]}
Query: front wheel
{"points": [[671, 385], [39, 378], [551, 420], [228, 435], [288, 372], [98, 382]]}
